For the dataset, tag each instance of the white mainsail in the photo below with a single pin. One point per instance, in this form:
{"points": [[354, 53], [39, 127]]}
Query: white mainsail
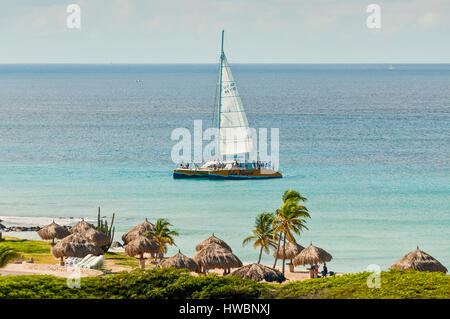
{"points": [[234, 132]]}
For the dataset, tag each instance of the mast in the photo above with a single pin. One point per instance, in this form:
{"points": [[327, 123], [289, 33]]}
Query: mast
{"points": [[220, 93]]}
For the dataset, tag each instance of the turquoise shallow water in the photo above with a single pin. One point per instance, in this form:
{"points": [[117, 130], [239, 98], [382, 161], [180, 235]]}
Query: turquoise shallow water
{"points": [[368, 147]]}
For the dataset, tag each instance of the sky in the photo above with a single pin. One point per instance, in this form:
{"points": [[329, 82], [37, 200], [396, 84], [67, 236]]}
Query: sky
{"points": [[256, 31]]}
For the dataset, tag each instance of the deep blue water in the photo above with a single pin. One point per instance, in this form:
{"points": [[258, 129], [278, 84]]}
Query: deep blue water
{"points": [[369, 147]]}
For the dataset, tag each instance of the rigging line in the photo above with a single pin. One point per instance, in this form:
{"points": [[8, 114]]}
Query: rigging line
{"points": [[222, 56]]}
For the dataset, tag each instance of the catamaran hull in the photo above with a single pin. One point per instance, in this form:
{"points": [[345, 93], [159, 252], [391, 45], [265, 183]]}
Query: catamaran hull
{"points": [[243, 174], [190, 173]]}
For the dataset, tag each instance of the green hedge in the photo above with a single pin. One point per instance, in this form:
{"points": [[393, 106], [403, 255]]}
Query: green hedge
{"points": [[394, 284], [152, 283], [178, 284]]}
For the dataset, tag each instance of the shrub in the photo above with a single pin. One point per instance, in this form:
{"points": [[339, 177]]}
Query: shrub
{"points": [[169, 283]]}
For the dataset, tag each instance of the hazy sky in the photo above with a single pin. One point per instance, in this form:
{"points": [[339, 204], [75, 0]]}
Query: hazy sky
{"points": [[257, 31]]}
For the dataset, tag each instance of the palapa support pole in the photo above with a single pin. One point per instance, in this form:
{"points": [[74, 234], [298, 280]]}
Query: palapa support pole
{"points": [[291, 267], [142, 261]]}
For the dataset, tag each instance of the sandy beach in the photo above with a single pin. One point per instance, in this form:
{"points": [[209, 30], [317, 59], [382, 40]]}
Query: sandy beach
{"points": [[110, 266], [46, 269]]}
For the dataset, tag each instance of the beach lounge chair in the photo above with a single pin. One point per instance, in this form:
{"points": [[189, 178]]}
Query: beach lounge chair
{"points": [[95, 263], [87, 262], [84, 260], [73, 261]]}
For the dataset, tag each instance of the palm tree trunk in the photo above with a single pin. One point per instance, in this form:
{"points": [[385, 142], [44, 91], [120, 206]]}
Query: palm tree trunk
{"points": [[284, 252], [278, 249], [260, 254]]}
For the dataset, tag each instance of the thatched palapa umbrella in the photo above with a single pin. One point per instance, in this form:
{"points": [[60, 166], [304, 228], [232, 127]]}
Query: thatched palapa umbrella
{"points": [[75, 245], [96, 237], [292, 250], [419, 260], [181, 261], [52, 231], [213, 240], [137, 231], [214, 256], [312, 255], [81, 227], [258, 272], [139, 246]]}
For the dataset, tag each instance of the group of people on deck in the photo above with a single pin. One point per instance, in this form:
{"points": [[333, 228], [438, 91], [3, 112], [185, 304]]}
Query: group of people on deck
{"points": [[235, 164], [247, 165]]}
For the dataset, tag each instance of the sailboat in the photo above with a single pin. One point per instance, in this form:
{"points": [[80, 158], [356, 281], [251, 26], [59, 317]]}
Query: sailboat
{"points": [[234, 140]]}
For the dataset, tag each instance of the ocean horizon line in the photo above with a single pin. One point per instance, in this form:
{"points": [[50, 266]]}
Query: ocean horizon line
{"points": [[234, 63]]}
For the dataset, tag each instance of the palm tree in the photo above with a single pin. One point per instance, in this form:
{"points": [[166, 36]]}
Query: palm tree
{"points": [[290, 220], [291, 194], [7, 255], [163, 235], [262, 234]]}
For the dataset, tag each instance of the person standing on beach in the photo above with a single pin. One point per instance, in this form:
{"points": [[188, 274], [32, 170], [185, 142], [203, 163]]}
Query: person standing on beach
{"points": [[325, 270]]}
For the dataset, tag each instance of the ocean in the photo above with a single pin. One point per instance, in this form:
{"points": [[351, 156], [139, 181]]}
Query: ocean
{"points": [[368, 146]]}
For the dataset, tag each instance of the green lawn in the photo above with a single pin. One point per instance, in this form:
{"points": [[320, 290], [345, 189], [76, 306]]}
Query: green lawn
{"points": [[40, 251], [122, 259], [26, 246]]}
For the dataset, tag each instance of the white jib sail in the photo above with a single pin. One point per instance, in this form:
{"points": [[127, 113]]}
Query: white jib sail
{"points": [[234, 130]]}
